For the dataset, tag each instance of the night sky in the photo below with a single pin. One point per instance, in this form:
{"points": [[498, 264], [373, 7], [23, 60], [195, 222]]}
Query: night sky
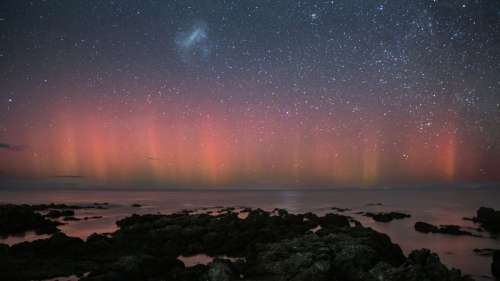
{"points": [[250, 93]]}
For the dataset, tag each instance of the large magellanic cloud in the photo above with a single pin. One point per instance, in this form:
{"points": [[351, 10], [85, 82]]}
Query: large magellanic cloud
{"points": [[193, 43]]}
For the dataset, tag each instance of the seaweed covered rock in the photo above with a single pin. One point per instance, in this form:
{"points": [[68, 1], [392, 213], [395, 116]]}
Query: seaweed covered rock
{"points": [[16, 219]]}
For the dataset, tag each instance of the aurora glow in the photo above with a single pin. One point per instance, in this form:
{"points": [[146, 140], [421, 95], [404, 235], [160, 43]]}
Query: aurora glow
{"points": [[260, 93]]}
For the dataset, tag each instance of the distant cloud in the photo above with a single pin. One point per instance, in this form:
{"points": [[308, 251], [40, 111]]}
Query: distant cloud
{"points": [[13, 147]]}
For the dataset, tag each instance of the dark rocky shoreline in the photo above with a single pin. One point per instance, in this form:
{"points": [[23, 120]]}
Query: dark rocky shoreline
{"points": [[269, 246], [42, 219], [16, 219]]}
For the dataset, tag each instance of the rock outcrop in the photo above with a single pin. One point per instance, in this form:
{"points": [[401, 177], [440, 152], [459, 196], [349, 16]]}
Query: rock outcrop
{"points": [[17, 219], [387, 217], [489, 219], [442, 229]]}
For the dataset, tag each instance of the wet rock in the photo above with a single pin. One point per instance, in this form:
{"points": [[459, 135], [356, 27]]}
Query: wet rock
{"points": [[426, 227], [495, 266], [443, 229], [387, 217], [16, 219], [489, 219], [54, 214]]}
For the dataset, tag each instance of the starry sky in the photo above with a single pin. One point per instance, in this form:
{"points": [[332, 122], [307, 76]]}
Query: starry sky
{"points": [[250, 93]]}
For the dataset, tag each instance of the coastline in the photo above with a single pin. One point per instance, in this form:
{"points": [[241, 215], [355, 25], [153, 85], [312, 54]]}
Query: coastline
{"points": [[222, 232]]}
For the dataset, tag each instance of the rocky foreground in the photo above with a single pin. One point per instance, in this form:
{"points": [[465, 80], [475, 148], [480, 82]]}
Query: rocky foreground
{"points": [[268, 246], [18, 219]]}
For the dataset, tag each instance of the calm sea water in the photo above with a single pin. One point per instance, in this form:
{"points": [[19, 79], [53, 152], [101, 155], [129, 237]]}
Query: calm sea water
{"points": [[441, 206]]}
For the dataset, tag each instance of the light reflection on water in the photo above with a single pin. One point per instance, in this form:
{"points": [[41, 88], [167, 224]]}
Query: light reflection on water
{"points": [[443, 206], [190, 261]]}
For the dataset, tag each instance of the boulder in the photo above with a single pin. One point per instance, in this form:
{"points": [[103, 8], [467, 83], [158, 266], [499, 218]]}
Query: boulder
{"points": [[489, 219]]}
